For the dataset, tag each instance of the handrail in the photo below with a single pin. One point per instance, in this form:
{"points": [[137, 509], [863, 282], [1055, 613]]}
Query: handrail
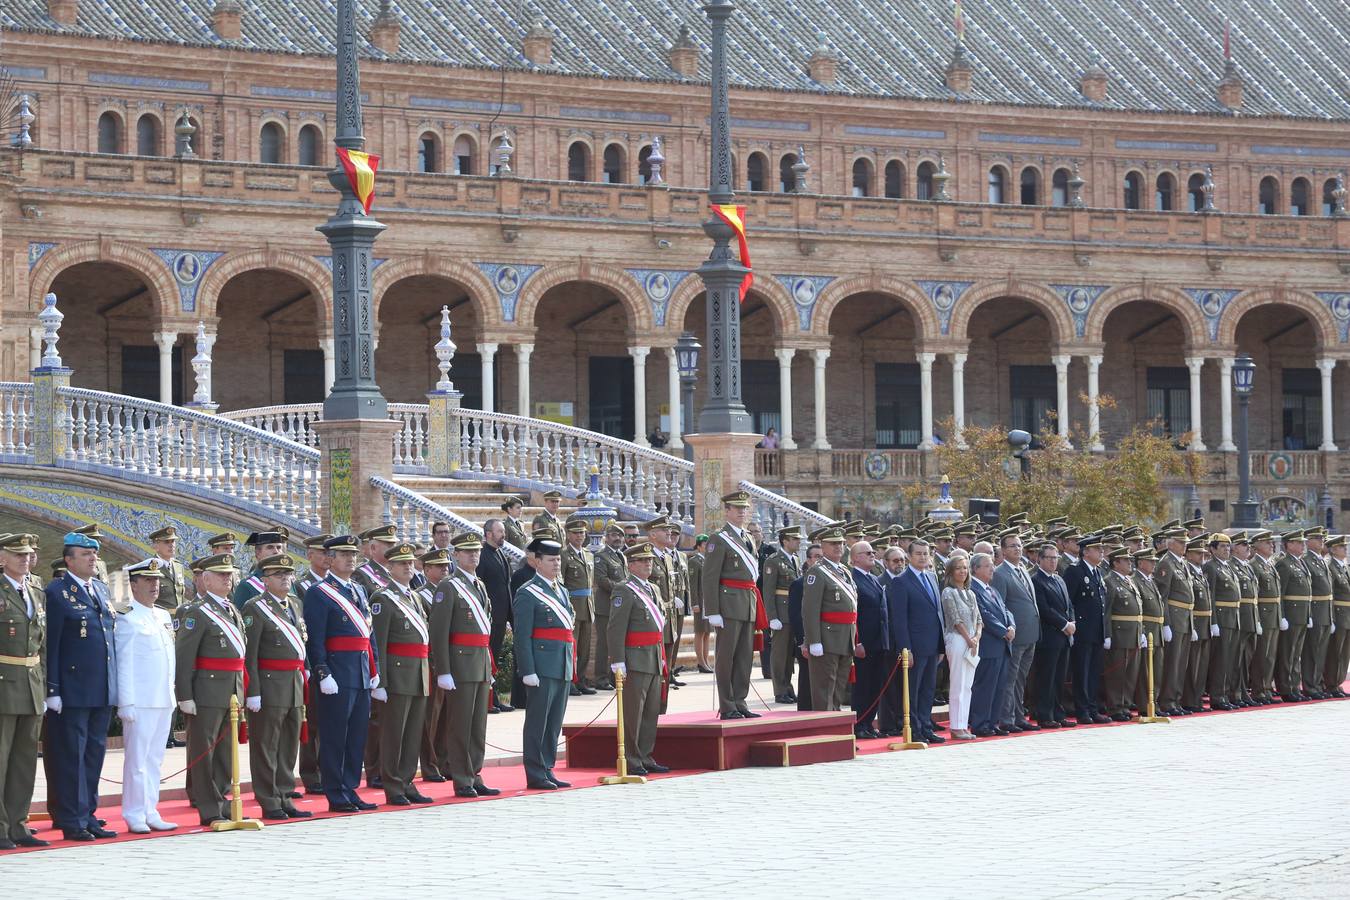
{"points": [[294, 421], [774, 511], [16, 420], [412, 514]]}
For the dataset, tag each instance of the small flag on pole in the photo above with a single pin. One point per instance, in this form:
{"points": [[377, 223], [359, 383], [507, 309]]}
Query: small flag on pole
{"points": [[360, 168], [735, 217]]}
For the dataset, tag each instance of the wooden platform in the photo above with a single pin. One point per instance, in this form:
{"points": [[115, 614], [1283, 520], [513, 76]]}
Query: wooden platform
{"points": [[803, 751], [703, 741]]}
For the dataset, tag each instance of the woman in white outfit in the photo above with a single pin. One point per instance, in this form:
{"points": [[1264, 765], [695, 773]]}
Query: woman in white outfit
{"points": [[962, 624], [145, 669]]}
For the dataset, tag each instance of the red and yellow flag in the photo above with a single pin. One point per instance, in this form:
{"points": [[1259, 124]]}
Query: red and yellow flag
{"points": [[735, 217], [360, 168]]}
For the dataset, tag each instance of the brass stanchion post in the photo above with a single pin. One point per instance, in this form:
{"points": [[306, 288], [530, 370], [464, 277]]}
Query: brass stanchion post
{"points": [[1152, 717], [907, 743], [622, 765], [236, 822]]}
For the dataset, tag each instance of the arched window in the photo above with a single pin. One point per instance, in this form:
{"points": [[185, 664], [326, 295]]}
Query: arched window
{"points": [[1328, 197], [1059, 188], [924, 187], [998, 185], [310, 140], [1031, 187], [578, 162], [1134, 190], [614, 166], [1298, 197], [862, 178], [1268, 198], [787, 179], [1164, 192], [1195, 192], [109, 133], [428, 153], [754, 172], [645, 167], [895, 180], [147, 136], [462, 155], [270, 143]]}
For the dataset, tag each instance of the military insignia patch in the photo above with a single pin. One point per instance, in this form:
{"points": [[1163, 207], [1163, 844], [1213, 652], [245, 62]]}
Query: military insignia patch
{"points": [[248, 620], [375, 609], [175, 625], [810, 579], [438, 598], [189, 623], [711, 543], [618, 601]]}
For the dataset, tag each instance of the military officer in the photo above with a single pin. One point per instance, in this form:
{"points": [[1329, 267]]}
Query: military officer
{"points": [[1295, 610], [317, 563], [175, 583], [1087, 591], [1124, 635], [577, 575], [435, 761], [637, 653], [1173, 578], [631, 534], [1154, 614], [91, 531], [264, 544], [610, 569], [1225, 592], [1194, 528], [23, 678], [780, 570], [544, 624], [275, 662], [1319, 615], [1268, 616], [402, 640], [317, 559], [732, 605], [830, 623], [673, 582], [461, 631], [373, 575], [515, 529], [1197, 663], [1067, 540], [702, 631], [549, 518], [1248, 624], [1338, 651]]}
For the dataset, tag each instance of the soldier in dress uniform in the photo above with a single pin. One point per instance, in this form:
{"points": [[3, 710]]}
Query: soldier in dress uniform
{"points": [[435, 755], [543, 628], [1087, 592], [732, 605], [1225, 592], [1173, 577], [632, 535], [780, 570], [1248, 624], [461, 629], [549, 518], [665, 541], [91, 531], [577, 575], [1319, 615], [275, 663], [610, 569], [702, 630], [309, 745], [264, 544], [402, 640], [1153, 613], [1295, 611], [1067, 541], [1194, 528], [1338, 651], [1124, 636], [23, 680], [1268, 614], [175, 583], [830, 622], [373, 575], [316, 566], [663, 578], [637, 652], [1197, 663], [208, 671], [515, 528]]}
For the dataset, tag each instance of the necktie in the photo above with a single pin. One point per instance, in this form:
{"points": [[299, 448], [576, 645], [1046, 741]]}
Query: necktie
{"points": [[928, 586]]}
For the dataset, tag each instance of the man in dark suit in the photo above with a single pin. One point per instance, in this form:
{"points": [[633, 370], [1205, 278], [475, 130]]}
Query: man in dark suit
{"points": [[81, 690], [1013, 583], [813, 555], [1087, 591], [1057, 628], [915, 610], [996, 639], [873, 637], [891, 707], [494, 570]]}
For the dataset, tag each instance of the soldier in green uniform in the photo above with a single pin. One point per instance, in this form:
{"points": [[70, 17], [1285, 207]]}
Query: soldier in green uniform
{"points": [[309, 747], [666, 544], [1225, 592], [732, 605], [1319, 615], [435, 755], [264, 544], [637, 652], [543, 625], [830, 623], [402, 638], [1197, 663], [175, 583], [515, 529], [23, 689], [1173, 577], [664, 576], [1067, 540], [1124, 634], [610, 569], [373, 576], [1248, 624], [780, 570], [1268, 617], [1153, 613], [209, 670], [631, 534], [578, 574], [702, 630], [549, 518], [275, 662], [1338, 652], [1295, 611]]}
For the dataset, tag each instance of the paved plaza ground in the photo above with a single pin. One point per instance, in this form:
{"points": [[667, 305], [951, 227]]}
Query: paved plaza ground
{"points": [[1245, 805]]}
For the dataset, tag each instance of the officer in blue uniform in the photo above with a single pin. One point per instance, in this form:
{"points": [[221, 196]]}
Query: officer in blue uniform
{"points": [[1087, 592], [81, 690], [543, 622], [341, 658]]}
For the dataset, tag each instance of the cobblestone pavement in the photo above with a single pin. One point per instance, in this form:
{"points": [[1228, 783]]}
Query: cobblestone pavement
{"points": [[1248, 805]]}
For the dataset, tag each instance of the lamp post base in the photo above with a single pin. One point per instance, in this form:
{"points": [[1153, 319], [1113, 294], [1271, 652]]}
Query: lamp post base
{"points": [[1245, 514]]}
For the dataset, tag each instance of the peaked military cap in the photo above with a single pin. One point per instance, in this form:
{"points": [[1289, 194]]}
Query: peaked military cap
{"points": [[220, 540], [577, 526], [342, 542], [1145, 556], [1219, 537], [553, 495], [385, 534], [1262, 535], [613, 528], [1194, 523], [58, 568], [511, 502], [404, 552], [316, 542], [543, 546], [1090, 540], [640, 551], [546, 532], [1120, 553], [276, 564], [438, 556], [1198, 544], [1241, 537], [1337, 540], [736, 498], [855, 528], [466, 541], [830, 536], [792, 531], [16, 543], [658, 522], [167, 533], [146, 568], [90, 530], [219, 562], [259, 538], [1298, 534]]}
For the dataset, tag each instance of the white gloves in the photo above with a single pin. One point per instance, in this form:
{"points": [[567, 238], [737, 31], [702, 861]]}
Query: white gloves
{"points": [[379, 694], [445, 682], [253, 704], [1310, 624], [54, 704], [189, 707], [328, 685], [127, 714], [1167, 634], [1194, 636], [775, 624], [531, 680], [1213, 630], [1333, 627], [716, 622], [817, 649], [1284, 624], [374, 682], [1259, 630], [1143, 642], [621, 668], [1106, 644]]}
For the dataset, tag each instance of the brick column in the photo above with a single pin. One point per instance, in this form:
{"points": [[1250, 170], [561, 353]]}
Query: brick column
{"points": [[353, 451], [443, 432]]}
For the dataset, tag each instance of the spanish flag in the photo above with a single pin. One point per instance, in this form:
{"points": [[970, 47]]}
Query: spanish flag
{"points": [[360, 168], [735, 217]]}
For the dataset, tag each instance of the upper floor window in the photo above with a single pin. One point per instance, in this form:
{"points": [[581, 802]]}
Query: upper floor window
{"points": [[271, 143], [428, 153], [614, 164], [862, 178], [924, 187], [1134, 190], [1164, 192], [895, 179], [1328, 197], [462, 157], [1268, 197], [308, 150], [1195, 192], [1298, 197], [645, 166], [147, 136], [787, 179], [998, 185], [578, 162], [1059, 188], [109, 133], [1030, 187], [754, 172]]}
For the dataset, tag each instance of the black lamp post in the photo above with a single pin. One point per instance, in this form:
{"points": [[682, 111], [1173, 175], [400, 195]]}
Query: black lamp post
{"points": [[1020, 441], [687, 352], [1244, 510]]}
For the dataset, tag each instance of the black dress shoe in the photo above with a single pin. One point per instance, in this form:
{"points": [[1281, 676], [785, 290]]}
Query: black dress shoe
{"points": [[1065, 723], [934, 739], [363, 805], [174, 742], [99, 831], [983, 732], [588, 691], [76, 834], [1049, 723], [657, 768], [1027, 725], [747, 714], [209, 820], [398, 801], [435, 779], [313, 789], [293, 795], [1002, 730], [544, 785], [31, 841], [492, 710], [7, 844], [1099, 719], [637, 770], [419, 797], [573, 691], [604, 687], [705, 670], [298, 813], [342, 807], [675, 682], [505, 707], [376, 782], [1120, 717], [781, 699], [275, 814], [559, 782], [485, 791], [731, 714]]}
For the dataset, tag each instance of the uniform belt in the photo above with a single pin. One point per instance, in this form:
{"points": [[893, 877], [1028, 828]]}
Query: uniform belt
{"points": [[780, 592], [1153, 620], [1202, 613], [351, 644], [1321, 599], [1298, 597], [1228, 604], [1333, 603], [469, 640], [1249, 601], [839, 618], [553, 634], [579, 592], [1179, 605], [414, 651], [1269, 599], [1129, 619], [282, 665], [31, 662], [642, 639]]}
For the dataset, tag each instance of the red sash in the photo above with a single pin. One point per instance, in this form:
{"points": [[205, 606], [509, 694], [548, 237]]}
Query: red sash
{"points": [[352, 645], [643, 639], [414, 651], [470, 640], [761, 618], [839, 618], [553, 634]]}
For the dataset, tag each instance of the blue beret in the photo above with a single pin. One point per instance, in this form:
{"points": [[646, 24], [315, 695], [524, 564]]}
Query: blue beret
{"points": [[75, 539]]}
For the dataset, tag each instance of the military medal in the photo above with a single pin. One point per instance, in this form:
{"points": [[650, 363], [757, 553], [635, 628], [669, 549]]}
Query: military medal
{"points": [[84, 628]]}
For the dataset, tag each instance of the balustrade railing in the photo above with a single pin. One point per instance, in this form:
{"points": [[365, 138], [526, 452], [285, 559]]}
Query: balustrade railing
{"points": [[16, 420], [294, 422], [413, 515], [773, 511]]}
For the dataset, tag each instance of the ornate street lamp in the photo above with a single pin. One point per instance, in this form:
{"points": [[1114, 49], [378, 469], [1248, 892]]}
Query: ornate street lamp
{"points": [[1244, 510], [687, 352], [1020, 441]]}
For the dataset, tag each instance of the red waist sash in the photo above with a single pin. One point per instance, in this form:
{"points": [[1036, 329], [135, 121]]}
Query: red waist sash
{"points": [[416, 651], [642, 639], [470, 640], [839, 618], [761, 617], [553, 634], [282, 665], [352, 645]]}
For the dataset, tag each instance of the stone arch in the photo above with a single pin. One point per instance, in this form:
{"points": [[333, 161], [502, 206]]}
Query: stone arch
{"points": [[769, 289], [307, 269], [1318, 314], [624, 286], [1177, 302], [481, 292], [151, 269], [907, 293], [1038, 295]]}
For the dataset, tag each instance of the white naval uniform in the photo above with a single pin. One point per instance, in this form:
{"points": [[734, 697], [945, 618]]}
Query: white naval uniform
{"points": [[145, 672]]}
